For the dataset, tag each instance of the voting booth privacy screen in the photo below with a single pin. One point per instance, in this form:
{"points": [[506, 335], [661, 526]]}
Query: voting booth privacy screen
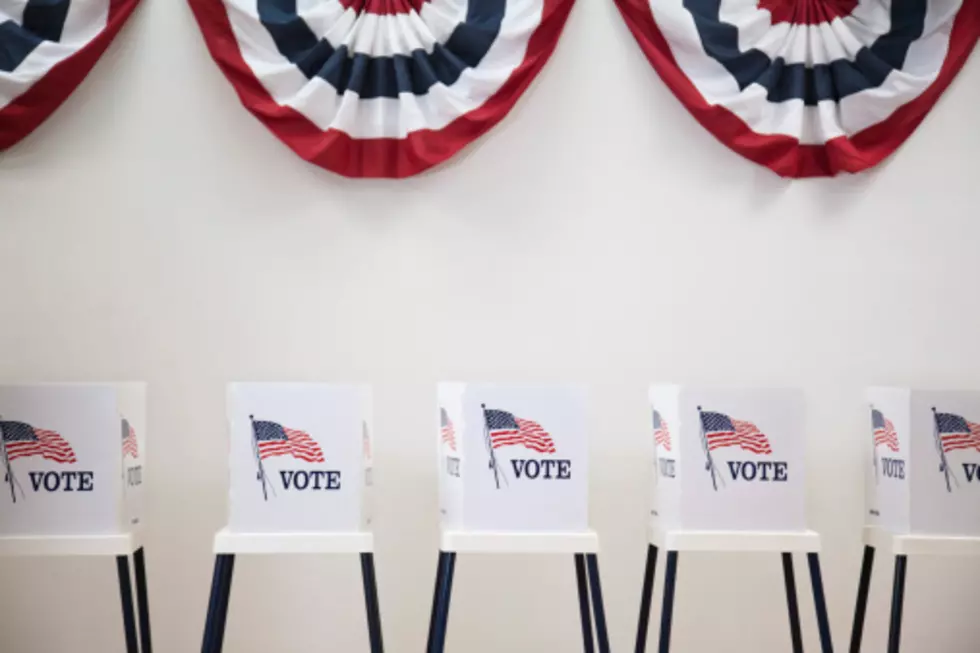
{"points": [[300, 457], [925, 448], [512, 458], [73, 457], [728, 459]]}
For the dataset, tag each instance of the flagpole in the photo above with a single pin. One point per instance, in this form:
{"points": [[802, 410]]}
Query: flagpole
{"points": [[874, 446], [489, 443], [260, 475], [11, 479], [943, 464], [710, 465]]}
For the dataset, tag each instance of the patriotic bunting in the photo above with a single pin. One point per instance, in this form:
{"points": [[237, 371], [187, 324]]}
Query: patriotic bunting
{"points": [[807, 87], [380, 88], [47, 47]]}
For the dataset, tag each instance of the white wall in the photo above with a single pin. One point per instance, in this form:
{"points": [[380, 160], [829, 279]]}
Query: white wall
{"points": [[154, 230]]}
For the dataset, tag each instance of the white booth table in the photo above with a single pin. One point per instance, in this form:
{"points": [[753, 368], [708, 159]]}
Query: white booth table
{"points": [[513, 478], [73, 458], [729, 476], [301, 465], [923, 488]]}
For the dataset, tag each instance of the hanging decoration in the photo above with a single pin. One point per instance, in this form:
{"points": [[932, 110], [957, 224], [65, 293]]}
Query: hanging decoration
{"points": [[807, 87], [47, 47], [380, 88]]}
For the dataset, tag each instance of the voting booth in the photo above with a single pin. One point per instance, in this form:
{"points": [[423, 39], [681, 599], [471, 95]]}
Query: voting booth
{"points": [[513, 478], [923, 457], [73, 457], [300, 461], [728, 474], [513, 459]]}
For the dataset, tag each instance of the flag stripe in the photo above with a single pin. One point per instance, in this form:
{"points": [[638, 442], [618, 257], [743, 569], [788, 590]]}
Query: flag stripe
{"points": [[957, 433], [508, 430], [722, 431], [447, 430], [661, 432], [884, 431], [130, 445], [32, 441], [292, 442]]}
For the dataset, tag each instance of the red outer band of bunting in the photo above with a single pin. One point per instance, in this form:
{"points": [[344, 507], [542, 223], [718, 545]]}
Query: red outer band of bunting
{"points": [[784, 154], [375, 157], [27, 112]]}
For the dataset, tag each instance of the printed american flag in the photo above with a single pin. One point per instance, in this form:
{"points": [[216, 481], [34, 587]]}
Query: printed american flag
{"points": [[447, 430], [21, 440], [957, 433], [507, 430], [884, 430], [661, 434], [130, 445], [722, 431], [276, 440]]}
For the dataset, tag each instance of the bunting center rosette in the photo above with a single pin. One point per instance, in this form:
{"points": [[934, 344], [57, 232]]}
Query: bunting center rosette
{"points": [[380, 88], [47, 47], [807, 87]]}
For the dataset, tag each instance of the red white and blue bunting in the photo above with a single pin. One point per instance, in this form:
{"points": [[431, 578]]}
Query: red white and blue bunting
{"points": [[380, 88], [807, 87], [47, 47]]}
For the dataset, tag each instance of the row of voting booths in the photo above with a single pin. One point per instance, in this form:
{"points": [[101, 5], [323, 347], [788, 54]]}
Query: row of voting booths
{"points": [[728, 473]]}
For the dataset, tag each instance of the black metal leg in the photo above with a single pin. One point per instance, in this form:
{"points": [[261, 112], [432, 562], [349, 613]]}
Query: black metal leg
{"points": [[861, 608], [898, 600], [371, 601], [602, 634], [435, 604], [126, 594], [791, 603], [583, 602], [444, 588], [823, 622], [667, 615], [214, 628], [646, 597], [142, 602]]}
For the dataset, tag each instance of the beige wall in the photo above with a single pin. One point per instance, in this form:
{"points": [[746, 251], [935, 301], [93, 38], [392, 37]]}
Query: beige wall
{"points": [[154, 230]]}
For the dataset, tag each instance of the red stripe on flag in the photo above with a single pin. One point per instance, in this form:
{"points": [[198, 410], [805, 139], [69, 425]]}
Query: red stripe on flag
{"points": [[662, 435], [746, 435], [887, 436], [298, 444], [49, 445], [961, 441]]}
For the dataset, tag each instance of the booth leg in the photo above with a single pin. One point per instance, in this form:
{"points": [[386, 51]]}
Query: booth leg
{"points": [[667, 615], [898, 602], [646, 597], [126, 594], [598, 608], [861, 608], [583, 603], [823, 622], [214, 628], [441, 600], [371, 602], [789, 577], [142, 601]]}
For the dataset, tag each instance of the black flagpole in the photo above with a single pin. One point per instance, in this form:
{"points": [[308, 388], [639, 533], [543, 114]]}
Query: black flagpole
{"points": [[489, 443], [710, 465], [260, 475], [10, 478], [874, 446], [943, 463]]}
